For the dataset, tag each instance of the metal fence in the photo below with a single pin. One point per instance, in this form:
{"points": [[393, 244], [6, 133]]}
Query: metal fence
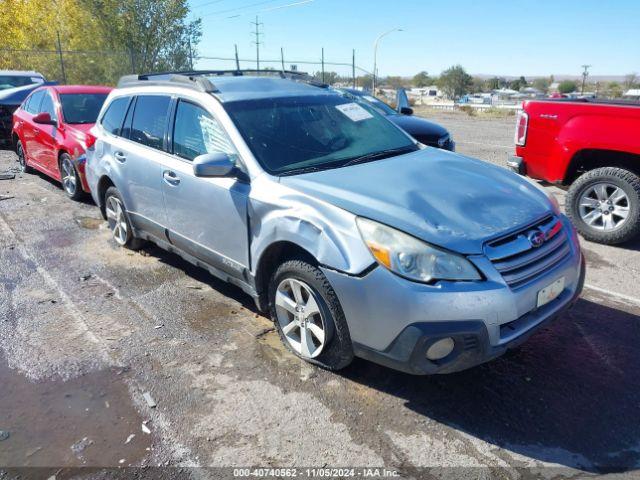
{"points": [[105, 67]]}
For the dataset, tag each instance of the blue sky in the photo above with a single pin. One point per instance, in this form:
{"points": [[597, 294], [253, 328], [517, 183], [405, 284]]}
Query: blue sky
{"points": [[517, 37]]}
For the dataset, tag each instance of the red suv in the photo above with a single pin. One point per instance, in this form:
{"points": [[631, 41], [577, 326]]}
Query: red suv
{"points": [[50, 129]]}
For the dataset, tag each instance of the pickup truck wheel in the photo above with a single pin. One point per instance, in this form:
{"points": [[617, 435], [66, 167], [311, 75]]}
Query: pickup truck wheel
{"points": [[604, 205], [118, 219], [22, 158], [308, 317]]}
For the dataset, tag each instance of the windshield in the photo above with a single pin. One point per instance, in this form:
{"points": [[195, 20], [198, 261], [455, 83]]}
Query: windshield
{"points": [[295, 134], [373, 101], [81, 107], [12, 81]]}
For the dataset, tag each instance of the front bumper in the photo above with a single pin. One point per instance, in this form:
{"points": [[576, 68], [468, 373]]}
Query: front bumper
{"points": [[517, 165], [393, 321]]}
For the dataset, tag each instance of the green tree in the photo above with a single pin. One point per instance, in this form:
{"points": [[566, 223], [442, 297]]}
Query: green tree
{"points": [[542, 84], [455, 81], [631, 80], [422, 79], [567, 86], [394, 82], [518, 83], [493, 83]]}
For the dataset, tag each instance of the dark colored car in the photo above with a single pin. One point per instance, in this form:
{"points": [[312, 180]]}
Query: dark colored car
{"points": [[15, 86], [426, 132]]}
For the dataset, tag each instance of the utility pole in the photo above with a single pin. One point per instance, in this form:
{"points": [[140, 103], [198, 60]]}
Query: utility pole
{"points": [[353, 67], [322, 64], [282, 58], [257, 41], [190, 55], [64, 75], [237, 58], [585, 74]]}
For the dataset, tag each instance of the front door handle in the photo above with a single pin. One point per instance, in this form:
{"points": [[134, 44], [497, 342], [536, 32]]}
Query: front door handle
{"points": [[171, 178], [121, 157]]}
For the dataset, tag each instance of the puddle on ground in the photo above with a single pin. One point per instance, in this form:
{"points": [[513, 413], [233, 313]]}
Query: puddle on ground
{"points": [[81, 422], [89, 223]]}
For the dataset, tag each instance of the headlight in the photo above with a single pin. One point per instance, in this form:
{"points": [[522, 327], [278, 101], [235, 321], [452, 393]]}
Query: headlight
{"points": [[414, 259]]}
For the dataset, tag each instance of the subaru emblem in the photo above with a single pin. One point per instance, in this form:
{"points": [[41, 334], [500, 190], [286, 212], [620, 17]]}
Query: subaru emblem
{"points": [[536, 238]]}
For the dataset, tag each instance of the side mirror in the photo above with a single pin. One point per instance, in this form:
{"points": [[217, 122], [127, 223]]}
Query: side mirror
{"points": [[406, 110], [214, 165], [44, 118]]}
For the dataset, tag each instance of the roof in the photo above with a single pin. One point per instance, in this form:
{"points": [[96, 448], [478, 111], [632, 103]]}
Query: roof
{"points": [[232, 89], [634, 92], [81, 89]]}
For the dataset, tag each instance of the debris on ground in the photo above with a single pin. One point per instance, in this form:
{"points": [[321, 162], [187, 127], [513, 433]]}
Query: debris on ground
{"points": [[129, 438], [7, 176], [194, 287], [158, 326], [80, 446], [145, 429], [3, 435], [149, 399], [6, 197], [85, 277]]}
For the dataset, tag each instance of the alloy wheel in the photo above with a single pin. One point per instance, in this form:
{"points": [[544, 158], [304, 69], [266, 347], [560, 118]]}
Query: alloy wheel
{"points": [[117, 220], [604, 206], [69, 177], [21, 160], [300, 318]]}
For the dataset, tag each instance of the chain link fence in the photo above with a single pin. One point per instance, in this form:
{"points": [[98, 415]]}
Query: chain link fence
{"points": [[106, 67]]}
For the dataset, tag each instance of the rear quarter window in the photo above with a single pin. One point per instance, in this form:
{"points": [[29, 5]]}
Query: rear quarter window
{"points": [[114, 116], [150, 120]]}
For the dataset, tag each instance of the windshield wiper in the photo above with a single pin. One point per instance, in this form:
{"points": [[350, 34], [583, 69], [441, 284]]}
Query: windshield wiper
{"points": [[392, 152]]}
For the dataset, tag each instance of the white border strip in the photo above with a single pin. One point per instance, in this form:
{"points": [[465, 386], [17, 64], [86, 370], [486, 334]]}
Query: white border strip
{"points": [[626, 298]]}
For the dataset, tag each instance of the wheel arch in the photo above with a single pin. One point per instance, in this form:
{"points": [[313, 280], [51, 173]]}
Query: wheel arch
{"points": [[103, 184], [272, 257], [589, 159]]}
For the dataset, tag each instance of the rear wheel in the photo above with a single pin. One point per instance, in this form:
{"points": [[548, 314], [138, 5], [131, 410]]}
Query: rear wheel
{"points": [[22, 158], [70, 178], [604, 205], [119, 224], [308, 317]]}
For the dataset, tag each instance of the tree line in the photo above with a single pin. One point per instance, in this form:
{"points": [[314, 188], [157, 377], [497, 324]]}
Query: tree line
{"points": [[115, 37]]}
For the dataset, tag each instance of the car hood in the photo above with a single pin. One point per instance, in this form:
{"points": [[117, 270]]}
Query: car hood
{"points": [[443, 198], [419, 127]]}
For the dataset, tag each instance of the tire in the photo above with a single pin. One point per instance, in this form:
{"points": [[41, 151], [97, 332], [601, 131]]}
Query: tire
{"points": [[336, 351], [597, 201], [22, 158], [118, 218], [70, 178]]}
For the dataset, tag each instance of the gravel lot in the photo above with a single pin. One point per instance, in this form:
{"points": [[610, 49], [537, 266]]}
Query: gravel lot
{"points": [[87, 328]]}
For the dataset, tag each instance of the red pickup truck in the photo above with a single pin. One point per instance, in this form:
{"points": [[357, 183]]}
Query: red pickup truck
{"points": [[593, 148]]}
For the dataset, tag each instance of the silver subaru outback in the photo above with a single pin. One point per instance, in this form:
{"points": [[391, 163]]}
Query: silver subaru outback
{"points": [[357, 240]]}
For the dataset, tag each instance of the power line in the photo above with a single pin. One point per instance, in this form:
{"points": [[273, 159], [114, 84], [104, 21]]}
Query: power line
{"points": [[235, 9]]}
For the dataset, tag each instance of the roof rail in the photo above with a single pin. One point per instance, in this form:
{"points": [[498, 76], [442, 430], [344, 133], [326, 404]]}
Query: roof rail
{"points": [[195, 74], [169, 78]]}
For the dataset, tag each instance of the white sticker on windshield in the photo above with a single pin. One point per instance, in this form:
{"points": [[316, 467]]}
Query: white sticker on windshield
{"points": [[354, 111]]}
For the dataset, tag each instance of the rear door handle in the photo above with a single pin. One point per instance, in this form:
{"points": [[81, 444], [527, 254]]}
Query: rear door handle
{"points": [[171, 178], [121, 157]]}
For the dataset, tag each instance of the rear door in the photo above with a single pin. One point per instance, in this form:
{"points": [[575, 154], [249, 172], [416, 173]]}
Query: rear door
{"points": [[28, 127], [139, 157], [206, 217], [46, 136]]}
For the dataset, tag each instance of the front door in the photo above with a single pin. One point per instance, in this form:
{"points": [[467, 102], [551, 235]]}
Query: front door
{"points": [[206, 217]]}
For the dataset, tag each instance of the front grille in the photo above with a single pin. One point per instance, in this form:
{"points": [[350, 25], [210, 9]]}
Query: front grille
{"points": [[519, 261]]}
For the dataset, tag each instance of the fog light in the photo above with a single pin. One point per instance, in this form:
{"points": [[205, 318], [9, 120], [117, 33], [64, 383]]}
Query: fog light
{"points": [[440, 349]]}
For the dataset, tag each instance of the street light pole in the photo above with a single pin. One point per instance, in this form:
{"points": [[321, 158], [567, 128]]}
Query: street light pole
{"points": [[375, 55]]}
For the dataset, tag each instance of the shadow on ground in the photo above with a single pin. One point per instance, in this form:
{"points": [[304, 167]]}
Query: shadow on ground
{"points": [[570, 395]]}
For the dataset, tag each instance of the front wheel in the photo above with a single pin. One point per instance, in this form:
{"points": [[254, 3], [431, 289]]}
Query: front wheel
{"points": [[119, 224], [604, 205], [308, 317]]}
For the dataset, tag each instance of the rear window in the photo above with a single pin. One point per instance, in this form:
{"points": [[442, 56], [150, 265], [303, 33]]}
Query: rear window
{"points": [[113, 117], [150, 120], [81, 107]]}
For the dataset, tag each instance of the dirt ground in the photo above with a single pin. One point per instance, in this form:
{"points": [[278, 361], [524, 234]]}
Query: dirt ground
{"points": [[86, 329]]}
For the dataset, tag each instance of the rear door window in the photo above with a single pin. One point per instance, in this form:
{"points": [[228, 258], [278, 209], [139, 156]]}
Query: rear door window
{"points": [[33, 106], [113, 117], [150, 120]]}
